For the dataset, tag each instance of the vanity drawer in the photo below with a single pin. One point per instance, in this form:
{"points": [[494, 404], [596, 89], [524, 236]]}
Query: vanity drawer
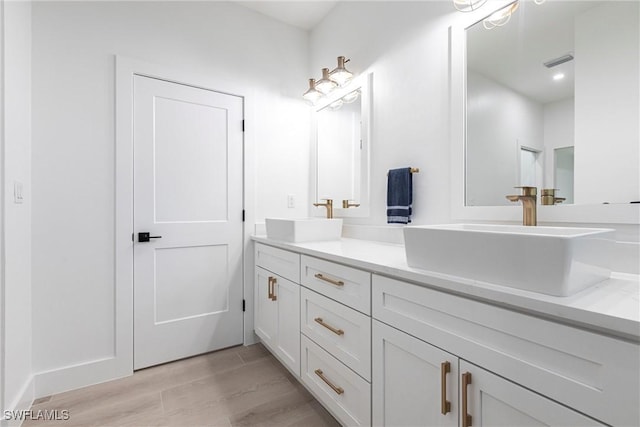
{"points": [[343, 392], [347, 285], [340, 330], [592, 373], [283, 263]]}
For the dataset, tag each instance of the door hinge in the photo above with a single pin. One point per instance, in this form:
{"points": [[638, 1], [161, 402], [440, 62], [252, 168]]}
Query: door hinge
{"points": [[133, 238], [244, 305], [242, 125], [243, 215]]}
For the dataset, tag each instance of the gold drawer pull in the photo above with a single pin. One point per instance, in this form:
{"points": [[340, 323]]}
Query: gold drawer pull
{"points": [[466, 418], [329, 327], [445, 368], [272, 288], [327, 279], [338, 390]]}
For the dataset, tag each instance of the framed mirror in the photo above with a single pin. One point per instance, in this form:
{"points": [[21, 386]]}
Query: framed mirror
{"points": [[555, 91], [341, 141]]}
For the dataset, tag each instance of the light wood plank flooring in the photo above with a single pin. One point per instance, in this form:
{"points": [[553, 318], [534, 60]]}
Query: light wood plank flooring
{"points": [[239, 386]]}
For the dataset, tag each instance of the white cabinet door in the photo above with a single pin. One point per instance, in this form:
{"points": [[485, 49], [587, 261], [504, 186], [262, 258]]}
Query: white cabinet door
{"points": [[491, 400], [414, 383], [287, 295], [277, 317], [266, 309]]}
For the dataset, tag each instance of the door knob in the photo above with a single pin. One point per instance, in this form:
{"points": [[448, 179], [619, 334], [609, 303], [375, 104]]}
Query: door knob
{"points": [[145, 237]]}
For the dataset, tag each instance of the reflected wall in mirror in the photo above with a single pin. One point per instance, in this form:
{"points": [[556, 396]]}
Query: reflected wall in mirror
{"points": [[571, 126], [341, 149]]}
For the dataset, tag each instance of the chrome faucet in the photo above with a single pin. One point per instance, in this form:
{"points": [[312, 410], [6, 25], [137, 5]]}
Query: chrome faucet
{"points": [[529, 199], [329, 205]]}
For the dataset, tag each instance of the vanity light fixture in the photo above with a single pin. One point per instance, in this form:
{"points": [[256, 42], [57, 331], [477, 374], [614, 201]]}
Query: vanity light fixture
{"points": [[312, 95], [340, 74], [325, 84], [468, 5], [501, 17], [330, 81], [558, 76]]}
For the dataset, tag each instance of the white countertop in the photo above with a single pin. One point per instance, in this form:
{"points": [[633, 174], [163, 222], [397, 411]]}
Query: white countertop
{"points": [[611, 307]]}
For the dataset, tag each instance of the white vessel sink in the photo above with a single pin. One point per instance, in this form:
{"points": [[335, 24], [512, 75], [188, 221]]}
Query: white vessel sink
{"points": [[303, 229], [556, 261]]}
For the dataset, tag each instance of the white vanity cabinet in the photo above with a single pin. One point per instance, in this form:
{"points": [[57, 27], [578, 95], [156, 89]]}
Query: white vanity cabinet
{"points": [[376, 350], [415, 383], [588, 372], [277, 304]]}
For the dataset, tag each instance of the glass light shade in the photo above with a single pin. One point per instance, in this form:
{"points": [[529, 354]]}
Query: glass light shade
{"points": [[468, 5], [340, 74], [312, 95], [336, 105], [501, 17], [351, 97], [325, 84]]}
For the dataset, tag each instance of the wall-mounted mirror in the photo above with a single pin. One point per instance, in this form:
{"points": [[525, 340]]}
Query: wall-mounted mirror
{"points": [[341, 136], [552, 100]]}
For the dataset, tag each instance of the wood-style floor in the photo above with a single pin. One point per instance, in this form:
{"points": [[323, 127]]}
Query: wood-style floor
{"points": [[239, 386]]}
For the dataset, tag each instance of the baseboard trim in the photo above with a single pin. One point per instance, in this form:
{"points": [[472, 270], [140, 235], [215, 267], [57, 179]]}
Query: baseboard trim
{"points": [[80, 375], [20, 405]]}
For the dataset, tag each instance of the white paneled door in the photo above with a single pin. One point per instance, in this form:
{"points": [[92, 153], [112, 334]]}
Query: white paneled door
{"points": [[188, 171]]}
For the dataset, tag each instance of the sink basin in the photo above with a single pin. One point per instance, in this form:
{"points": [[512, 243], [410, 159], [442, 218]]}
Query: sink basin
{"points": [[303, 229], [556, 261]]}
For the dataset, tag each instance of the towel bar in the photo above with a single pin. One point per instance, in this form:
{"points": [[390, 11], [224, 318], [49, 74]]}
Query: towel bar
{"points": [[413, 170]]}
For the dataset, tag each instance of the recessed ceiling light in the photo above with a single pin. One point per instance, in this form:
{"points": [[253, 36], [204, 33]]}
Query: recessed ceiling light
{"points": [[558, 76]]}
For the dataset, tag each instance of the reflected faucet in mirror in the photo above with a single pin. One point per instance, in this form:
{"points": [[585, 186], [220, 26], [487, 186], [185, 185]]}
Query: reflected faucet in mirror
{"points": [[346, 204], [548, 197], [329, 205], [529, 199]]}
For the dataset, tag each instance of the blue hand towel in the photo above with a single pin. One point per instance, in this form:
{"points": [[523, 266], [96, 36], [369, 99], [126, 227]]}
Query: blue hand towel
{"points": [[399, 196]]}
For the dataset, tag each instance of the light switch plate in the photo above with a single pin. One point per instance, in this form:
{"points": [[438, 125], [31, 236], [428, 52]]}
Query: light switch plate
{"points": [[18, 198]]}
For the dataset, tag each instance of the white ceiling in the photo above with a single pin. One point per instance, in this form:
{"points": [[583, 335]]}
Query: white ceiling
{"points": [[301, 14]]}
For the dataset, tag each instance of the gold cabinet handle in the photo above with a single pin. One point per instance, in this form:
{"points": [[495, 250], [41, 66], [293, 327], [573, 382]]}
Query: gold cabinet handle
{"points": [[327, 279], [445, 368], [329, 327], [338, 390], [272, 288], [466, 418]]}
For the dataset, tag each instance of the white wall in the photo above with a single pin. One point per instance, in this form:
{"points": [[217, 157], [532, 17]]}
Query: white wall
{"points": [[499, 120], [405, 45], [74, 44], [16, 310], [607, 134]]}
